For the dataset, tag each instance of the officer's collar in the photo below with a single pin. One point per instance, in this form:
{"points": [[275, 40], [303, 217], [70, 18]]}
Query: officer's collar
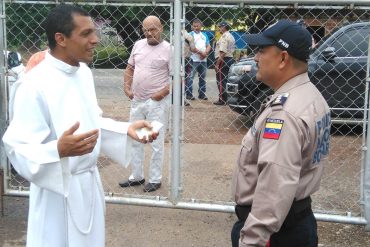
{"points": [[293, 82]]}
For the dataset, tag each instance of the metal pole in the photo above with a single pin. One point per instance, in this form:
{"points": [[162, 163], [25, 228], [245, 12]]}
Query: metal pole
{"points": [[366, 177], [207, 207], [183, 99], [303, 2], [364, 137], [217, 2], [175, 157], [3, 102]]}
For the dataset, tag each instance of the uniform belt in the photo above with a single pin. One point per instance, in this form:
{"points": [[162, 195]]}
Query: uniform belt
{"points": [[298, 211]]}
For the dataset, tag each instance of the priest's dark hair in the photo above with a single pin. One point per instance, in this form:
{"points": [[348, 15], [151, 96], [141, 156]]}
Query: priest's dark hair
{"points": [[60, 20]]}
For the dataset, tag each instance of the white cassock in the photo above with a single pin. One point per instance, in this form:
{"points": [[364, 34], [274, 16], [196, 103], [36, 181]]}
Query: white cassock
{"points": [[67, 205]]}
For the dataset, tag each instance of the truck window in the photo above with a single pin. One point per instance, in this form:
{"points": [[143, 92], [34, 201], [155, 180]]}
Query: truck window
{"points": [[353, 43]]}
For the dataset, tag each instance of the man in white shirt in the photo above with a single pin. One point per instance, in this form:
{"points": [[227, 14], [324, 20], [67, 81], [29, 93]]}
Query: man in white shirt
{"points": [[198, 61], [57, 131]]}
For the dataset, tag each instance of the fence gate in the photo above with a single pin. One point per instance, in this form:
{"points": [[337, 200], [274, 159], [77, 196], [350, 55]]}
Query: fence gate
{"points": [[203, 140]]}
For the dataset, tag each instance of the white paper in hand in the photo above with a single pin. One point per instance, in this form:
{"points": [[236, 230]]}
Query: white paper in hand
{"points": [[146, 132]]}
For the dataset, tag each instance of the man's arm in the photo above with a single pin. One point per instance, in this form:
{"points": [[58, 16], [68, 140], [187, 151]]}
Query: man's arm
{"points": [[208, 46], [70, 144], [162, 93], [208, 49], [203, 55], [115, 143], [220, 59], [128, 76]]}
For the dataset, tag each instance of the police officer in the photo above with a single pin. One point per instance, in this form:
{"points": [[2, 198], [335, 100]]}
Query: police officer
{"points": [[225, 48], [282, 156]]}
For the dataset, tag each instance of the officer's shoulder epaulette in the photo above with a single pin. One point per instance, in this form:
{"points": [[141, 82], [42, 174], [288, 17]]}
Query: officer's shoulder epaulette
{"points": [[280, 99]]}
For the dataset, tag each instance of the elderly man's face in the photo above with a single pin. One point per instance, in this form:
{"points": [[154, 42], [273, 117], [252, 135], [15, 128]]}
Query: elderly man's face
{"points": [[152, 31]]}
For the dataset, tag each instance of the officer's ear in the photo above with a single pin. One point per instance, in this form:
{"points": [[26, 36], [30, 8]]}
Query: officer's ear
{"points": [[284, 56]]}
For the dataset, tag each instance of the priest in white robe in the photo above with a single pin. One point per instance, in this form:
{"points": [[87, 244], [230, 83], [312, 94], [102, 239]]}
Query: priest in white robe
{"points": [[57, 133]]}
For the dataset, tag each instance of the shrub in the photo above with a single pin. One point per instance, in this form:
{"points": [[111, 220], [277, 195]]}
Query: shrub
{"points": [[112, 57]]}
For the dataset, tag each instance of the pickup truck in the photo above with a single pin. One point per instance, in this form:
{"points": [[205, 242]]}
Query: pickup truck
{"points": [[337, 66]]}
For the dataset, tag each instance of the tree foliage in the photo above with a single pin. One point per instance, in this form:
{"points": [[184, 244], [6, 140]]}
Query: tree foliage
{"points": [[23, 21], [23, 24]]}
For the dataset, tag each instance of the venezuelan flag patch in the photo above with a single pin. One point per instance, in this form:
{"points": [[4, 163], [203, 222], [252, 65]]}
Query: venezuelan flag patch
{"points": [[273, 128]]}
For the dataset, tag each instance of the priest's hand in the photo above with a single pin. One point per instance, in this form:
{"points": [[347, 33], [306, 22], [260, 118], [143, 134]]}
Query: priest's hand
{"points": [[135, 126], [76, 145]]}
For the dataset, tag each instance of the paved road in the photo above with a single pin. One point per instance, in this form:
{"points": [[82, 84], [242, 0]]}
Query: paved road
{"points": [[109, 80]]}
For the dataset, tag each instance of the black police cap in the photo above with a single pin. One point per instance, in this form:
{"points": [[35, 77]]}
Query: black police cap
{"points": [[286, 35]]}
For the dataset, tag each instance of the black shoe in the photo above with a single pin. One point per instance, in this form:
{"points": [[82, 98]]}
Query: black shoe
{"points": [[203, 97], [150, 187], [219, 103], [129, 183], [186, 103], [190, 97]]}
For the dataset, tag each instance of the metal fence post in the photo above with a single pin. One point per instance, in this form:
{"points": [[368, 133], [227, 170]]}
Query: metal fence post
{"points": [[366, 180], [175, 157], [3, 102]]}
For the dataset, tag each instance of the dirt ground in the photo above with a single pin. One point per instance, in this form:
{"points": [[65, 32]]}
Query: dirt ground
{"points": [[210, 143]]}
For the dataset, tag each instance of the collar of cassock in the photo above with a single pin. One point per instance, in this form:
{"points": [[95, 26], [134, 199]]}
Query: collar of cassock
{"points": [[69, 69]]}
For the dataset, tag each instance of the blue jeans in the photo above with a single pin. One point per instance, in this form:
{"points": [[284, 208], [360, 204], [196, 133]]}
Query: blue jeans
{"points": [[188, 68], [201, 68]]}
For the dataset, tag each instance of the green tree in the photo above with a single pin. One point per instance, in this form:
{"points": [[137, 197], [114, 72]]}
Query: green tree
{"points": [[23, 25]]}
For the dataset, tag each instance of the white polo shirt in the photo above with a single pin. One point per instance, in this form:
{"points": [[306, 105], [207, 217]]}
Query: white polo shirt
{"points": [[201, 42]]}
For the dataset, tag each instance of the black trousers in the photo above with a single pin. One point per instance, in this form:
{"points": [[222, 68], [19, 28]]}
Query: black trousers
{"points": [[221, 78], [302, 233]]}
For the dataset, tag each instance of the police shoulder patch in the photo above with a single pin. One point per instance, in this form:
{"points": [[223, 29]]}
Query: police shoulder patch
{"points": [[280, 99], [273, 128]]}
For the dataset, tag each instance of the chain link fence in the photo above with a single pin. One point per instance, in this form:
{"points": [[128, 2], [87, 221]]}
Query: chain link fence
{"points": [[210, 134]]}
